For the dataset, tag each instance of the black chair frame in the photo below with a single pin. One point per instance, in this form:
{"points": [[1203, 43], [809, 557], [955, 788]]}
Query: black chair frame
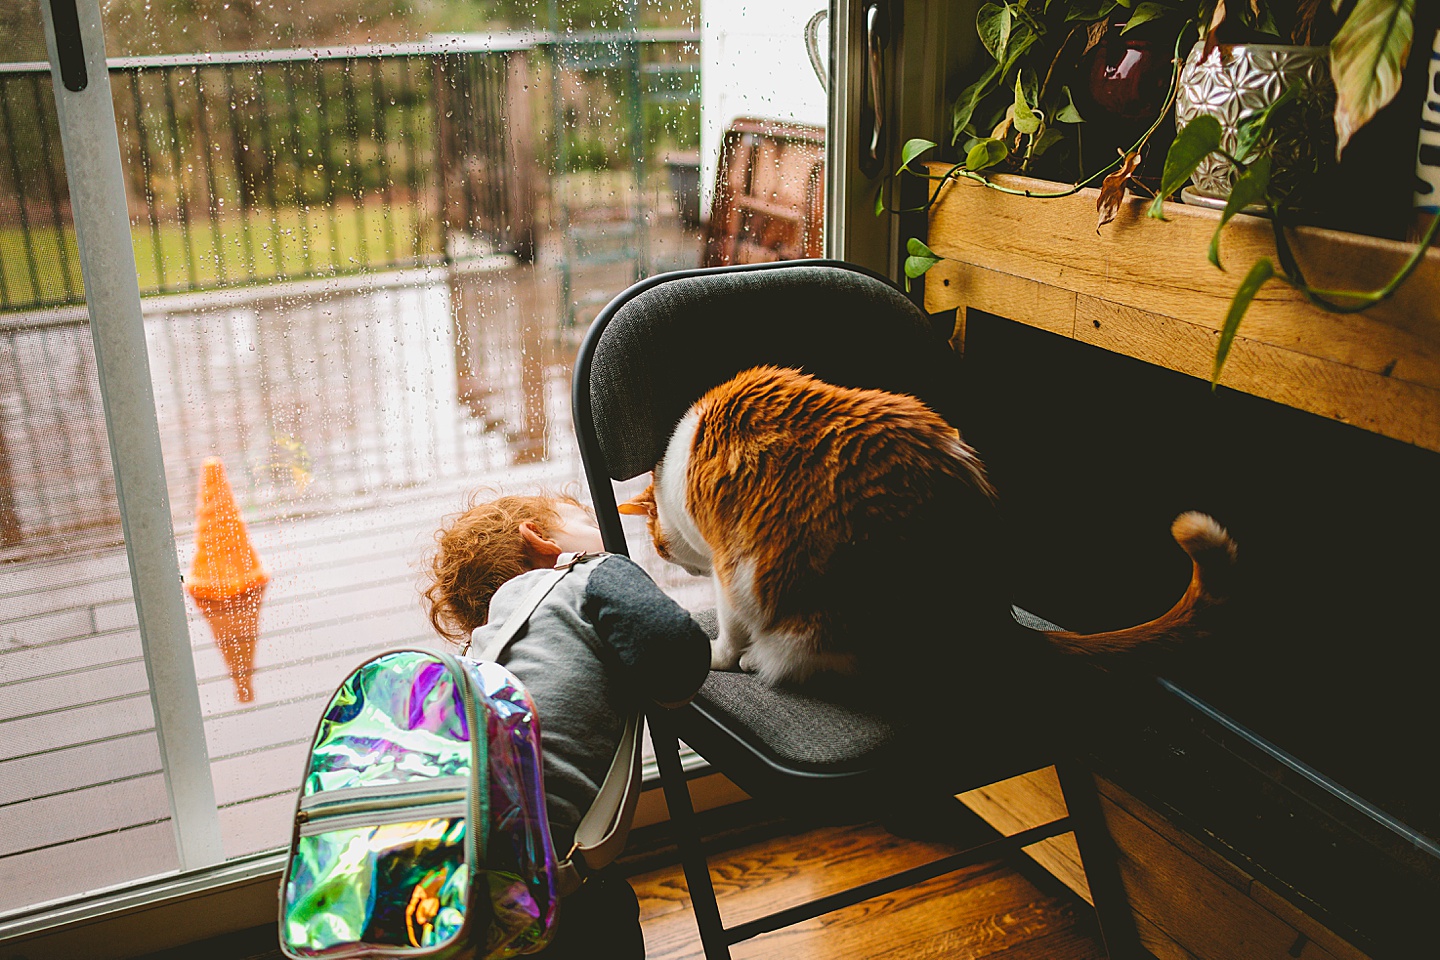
{"points": [[864, 787]]}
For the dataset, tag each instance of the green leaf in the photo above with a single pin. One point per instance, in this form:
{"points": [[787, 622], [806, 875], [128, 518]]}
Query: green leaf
{"points": [[1090, 9], [969, 99], [994, 23], [1250, 130], [1367, 61], [1249, 188], [1198, 140], [1030, 84], [916, 266], [1254, 280], [921, 259], [1265, 22], [1026, 120], [1068, 113], [880, 201], [1020, 41], [1048, 139], [913, 149], [1022, 38], [986, 153], [916, 248], [1144, 13]]}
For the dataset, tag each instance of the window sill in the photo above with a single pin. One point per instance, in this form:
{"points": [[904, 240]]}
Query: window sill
{"points": [[178, 909]]}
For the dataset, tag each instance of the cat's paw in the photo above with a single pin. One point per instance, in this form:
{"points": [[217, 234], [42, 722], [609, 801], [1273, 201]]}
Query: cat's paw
{"points": [[724, 656]]}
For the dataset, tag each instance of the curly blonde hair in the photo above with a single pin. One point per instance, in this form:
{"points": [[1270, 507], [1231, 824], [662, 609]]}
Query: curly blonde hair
{"points": [[479, 550]]}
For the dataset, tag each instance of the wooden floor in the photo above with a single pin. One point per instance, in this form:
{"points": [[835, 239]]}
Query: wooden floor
{"points": [[998, 911], [989, 910]]}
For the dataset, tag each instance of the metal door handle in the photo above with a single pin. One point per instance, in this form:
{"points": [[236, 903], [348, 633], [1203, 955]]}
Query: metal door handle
{"points": [[70, 51], [874, 54], [812, 47]]}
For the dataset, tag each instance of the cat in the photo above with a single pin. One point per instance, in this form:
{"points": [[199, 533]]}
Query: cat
{"points": [[837, 522]]}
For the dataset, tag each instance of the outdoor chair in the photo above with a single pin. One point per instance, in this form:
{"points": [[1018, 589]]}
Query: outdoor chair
{"points": [[650, 353]]}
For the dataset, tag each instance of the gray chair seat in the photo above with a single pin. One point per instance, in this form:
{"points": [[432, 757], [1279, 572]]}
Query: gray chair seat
{"points": [[798, 728], [830, 726]]}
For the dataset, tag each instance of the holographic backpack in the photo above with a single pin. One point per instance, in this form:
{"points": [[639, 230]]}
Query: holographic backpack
{"points": [[386, 860]]}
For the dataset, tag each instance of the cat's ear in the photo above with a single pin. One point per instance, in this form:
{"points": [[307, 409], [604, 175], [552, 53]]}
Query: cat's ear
{"points": [[641, 505]]}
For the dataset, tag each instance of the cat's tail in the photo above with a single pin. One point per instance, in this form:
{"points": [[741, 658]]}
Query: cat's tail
{"points": [[1212, 554]]}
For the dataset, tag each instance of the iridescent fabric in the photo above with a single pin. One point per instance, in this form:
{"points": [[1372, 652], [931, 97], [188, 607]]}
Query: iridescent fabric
{"points": [[395, 719], [383, 861], [403, 884], [520, 858]]}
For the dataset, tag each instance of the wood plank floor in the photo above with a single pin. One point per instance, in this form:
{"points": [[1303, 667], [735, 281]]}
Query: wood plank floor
{"points": [[991, 910], [998, 911]]}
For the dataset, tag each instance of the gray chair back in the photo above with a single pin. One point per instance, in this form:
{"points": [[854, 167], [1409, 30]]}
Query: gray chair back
{"points": [[662, 343]]}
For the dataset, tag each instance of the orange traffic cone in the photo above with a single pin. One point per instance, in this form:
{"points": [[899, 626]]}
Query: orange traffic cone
{"points": [[226, 580]]}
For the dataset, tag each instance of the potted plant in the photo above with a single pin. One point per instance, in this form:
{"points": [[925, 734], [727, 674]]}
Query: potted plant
{"points": [[1272, 155], [1257, 151], [1048, 59]]}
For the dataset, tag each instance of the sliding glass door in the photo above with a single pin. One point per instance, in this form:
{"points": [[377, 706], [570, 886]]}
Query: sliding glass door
{"points": [[280, 290]]}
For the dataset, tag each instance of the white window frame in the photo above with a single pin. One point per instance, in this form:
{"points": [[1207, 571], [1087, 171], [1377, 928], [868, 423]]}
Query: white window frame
{"points": [[107, 262]]}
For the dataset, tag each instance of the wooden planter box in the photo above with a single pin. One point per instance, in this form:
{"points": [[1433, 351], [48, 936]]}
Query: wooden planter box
{"points": [[1144, 288]]}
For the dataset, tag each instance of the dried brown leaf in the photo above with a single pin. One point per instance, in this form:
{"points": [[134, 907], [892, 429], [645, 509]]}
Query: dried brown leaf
{"points": [[1306, 12], [1002, 129], [1094, 33], [1212, 34], [1112, 189]]}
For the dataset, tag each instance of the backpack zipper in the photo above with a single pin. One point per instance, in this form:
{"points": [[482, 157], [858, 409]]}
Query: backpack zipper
{"points": [[479, 725], [383, 818], [382, 804]]}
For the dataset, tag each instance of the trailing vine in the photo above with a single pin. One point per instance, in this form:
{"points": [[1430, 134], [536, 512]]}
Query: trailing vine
{"points": [[1370, 46]]}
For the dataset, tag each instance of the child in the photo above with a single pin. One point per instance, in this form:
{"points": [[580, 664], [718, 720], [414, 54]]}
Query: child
{"points": [[605, 640]]}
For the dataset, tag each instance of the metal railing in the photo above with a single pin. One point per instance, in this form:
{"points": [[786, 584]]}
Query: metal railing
{"points": [[261, 166], [251, 169], [257, 167]]}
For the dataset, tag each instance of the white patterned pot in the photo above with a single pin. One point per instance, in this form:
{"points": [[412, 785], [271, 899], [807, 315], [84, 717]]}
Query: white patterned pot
{"points": [[1427, 161], [1238, 81]]}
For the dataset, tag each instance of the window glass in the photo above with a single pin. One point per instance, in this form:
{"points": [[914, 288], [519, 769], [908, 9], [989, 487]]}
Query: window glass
{"points": [[83, 801], [368, 238]]}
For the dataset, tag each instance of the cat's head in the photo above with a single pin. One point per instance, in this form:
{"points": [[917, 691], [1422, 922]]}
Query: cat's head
{"points": [[670, 544]]}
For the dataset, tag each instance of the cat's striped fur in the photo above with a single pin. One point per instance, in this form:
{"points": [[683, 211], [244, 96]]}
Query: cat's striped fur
{"points": [[838, 521]]}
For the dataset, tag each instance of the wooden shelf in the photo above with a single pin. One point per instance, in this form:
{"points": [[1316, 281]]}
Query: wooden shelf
{"points": [[1144, 288]]}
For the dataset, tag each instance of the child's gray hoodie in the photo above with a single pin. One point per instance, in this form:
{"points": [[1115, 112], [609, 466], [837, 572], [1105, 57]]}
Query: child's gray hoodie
{"points": [[604, 641]]}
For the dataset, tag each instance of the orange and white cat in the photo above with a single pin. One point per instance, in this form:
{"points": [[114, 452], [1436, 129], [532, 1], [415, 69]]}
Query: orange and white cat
{"points": [[842, 523]]}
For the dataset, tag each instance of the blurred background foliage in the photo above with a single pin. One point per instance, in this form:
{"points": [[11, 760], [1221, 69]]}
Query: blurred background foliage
{"points": [[140, 27]]}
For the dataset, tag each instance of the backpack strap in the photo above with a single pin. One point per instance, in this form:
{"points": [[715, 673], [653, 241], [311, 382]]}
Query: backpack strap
{"points": [[603, 830], [498, 644]]}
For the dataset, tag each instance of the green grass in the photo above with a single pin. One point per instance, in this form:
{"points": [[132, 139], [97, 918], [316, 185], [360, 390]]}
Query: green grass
{"points": [[226, 251]]}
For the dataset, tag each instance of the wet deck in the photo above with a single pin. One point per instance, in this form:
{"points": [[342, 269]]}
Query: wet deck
{"points": [[350, 421]]}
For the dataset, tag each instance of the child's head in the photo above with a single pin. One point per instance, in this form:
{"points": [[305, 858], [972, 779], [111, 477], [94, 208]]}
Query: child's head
{"points": [[494, 541]]}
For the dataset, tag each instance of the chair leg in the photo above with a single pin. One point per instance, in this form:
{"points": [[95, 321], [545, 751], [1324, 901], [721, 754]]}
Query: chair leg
{"points": [[1100, 859], [687, 839]]}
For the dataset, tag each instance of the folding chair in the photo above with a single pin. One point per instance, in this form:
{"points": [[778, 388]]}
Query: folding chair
{"points": [[650, 353]]}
